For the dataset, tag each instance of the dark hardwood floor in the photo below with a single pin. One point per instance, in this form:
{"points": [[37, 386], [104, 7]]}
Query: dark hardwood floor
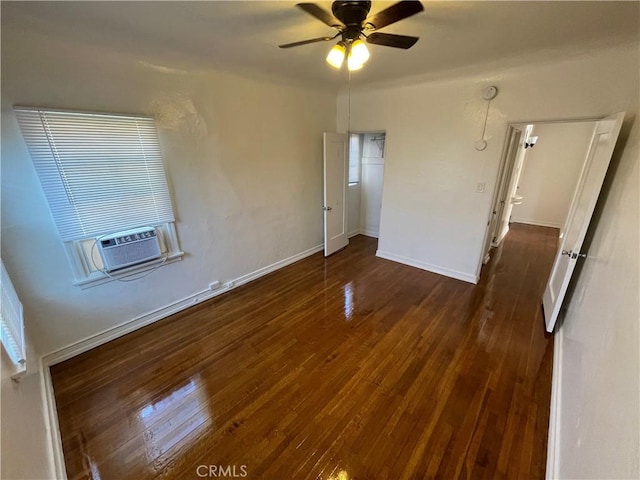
{"points": [[351, 367]]}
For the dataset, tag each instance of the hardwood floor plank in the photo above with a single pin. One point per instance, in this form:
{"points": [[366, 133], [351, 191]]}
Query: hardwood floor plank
{"points": [[351, 367]]}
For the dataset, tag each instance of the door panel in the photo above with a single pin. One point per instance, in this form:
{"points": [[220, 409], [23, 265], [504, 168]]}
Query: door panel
{"points": [[512, 185], [336, 165], [501, 217], [603, 141]]}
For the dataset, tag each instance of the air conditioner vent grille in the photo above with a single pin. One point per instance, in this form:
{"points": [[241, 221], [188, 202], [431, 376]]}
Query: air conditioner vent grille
{"points": [[129, 248]]}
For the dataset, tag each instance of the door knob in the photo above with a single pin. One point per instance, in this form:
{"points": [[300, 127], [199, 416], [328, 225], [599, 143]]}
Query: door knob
{"points": [[326, 209], [567, 252]]}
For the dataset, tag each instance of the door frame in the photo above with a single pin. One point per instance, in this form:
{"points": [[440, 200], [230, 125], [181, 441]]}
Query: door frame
{"points": [[502, 170], [505, 172], [384, 153]]}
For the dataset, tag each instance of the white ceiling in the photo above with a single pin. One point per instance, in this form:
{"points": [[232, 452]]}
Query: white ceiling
{"points": [[242, 36]]}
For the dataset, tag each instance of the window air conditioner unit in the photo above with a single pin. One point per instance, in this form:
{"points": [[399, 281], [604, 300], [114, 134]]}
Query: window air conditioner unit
{"points": [[128, 248]]}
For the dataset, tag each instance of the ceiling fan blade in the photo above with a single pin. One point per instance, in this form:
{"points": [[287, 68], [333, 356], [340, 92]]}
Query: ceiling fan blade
{"points": [[393, 14], [306, 42], [321, 14], [391, 40]]}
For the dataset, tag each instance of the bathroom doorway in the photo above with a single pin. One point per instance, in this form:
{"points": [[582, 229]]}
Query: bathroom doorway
{"points": [[541, 165]]}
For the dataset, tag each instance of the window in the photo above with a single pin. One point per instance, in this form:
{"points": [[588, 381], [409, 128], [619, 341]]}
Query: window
{"points": [[355, 153], [12, 323], [101, 174]]}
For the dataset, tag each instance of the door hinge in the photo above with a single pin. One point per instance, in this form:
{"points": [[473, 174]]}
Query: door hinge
{"points": [[573, 255]]}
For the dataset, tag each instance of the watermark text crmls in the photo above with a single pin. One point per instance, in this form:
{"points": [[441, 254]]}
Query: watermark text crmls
{"points": [[221, 471]]}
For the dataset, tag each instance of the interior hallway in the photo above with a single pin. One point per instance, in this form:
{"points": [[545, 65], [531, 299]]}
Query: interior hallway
{"points": [[350, 364]]}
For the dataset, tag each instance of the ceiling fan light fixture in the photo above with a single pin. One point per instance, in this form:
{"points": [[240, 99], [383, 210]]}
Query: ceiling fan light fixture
{"points": [[359, 52], [352, 64], [336, 55], [353, 23]]}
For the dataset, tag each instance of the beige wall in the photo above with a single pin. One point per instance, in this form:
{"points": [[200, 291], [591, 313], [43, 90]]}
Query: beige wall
{"points": [[243, 160], [24, 438], [599, 434], [353, 209], [433, 218], [244, 164]]}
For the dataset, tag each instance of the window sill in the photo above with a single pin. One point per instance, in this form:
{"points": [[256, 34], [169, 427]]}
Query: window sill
{"points": [[99, 278]]}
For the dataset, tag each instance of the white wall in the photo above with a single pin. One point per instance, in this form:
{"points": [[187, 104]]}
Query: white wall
{"points": [[550, 173], [24, 438], [353, 209], [371, 190], [600, 358], [243, 159], [432, 216]]}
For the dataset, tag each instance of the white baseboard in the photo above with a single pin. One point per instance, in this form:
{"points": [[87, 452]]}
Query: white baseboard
{"points": [[56, 456], [129, 326], [369, 232], [261, 272], [553, 443], [538, 223], [447, 272], [501, 236], [76, 348], [148, 318], [364, 231]]}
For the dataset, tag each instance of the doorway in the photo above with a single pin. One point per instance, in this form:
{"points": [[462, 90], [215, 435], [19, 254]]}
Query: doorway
{"points": [[539, 172], [366, 173]]}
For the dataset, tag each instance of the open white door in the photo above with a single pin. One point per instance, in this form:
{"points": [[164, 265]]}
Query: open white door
{"points": [[513, 180], [603, 141], [336, 165], [499, 222]]}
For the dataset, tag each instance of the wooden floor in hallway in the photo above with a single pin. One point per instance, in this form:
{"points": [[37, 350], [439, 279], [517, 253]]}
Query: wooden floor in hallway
{"points": [[350, 367]]}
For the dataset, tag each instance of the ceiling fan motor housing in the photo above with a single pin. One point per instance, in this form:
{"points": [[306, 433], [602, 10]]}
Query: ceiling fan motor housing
{"points": [[351, 19], [351, 13]]}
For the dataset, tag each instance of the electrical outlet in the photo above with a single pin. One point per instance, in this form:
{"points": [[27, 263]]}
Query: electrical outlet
{"points": [[214, 285], [229, 285], [480, 187]]}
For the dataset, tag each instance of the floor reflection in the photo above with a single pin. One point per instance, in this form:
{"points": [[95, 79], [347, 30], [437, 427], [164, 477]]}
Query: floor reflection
{"points": [[341, 475], [349, 305], [175, 420]]}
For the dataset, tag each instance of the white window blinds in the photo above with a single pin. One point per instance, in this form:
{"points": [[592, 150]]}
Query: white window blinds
{"points": [[101, 173], [11, 321]]}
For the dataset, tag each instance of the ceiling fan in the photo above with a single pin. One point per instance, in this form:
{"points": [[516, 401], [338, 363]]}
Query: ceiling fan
{"points": [[351, 20]]}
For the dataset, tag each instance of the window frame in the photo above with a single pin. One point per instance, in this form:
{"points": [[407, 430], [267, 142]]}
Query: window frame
{"points": [[85, 272], [12, 334], [359, 159]]}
